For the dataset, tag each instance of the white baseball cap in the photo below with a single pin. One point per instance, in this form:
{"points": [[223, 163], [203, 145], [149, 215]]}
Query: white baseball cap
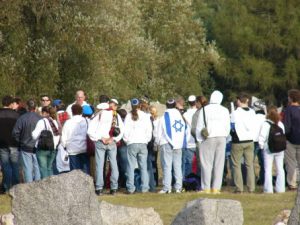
{"points": [[192, 98]]}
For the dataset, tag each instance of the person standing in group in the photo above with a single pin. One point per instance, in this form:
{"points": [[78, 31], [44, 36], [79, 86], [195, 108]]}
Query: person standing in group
{"points": [[137, 134], [243, 133], [189, 152], [9, 154], [79, 99], [73, 139], [22, 134], [273, 119], [216, 120], [171, 139], [102, 131], [45, 100], [46, 134], [292, 128]]}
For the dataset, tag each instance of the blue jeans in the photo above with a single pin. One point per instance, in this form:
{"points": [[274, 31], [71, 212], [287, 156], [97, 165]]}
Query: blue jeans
{"points": [[122, 164], [171, 158], [80, 162], [259, 153], [9, 158], [30, 165], [150, 159], [100, 160], [45, 159], [137, 154], [187, 160]]}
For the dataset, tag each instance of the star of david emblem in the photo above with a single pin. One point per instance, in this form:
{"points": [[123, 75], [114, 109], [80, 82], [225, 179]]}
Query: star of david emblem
{"points": [[178, 125]]}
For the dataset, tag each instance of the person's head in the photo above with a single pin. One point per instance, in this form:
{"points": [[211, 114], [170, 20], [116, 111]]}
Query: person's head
{"points": [[122, 113], [48, 111], [243, 100], [201, 101], [80, 97], [7, 101], [144, 104], [171, 104], [192, 100], [87, 111], [135, 105], [294, 96], [113, 104], [216, 97], [76, 109], [59, 105], [273, 114], [180, 102], [45, 100], [31, 105], [153, 112], [16, 103], [103, 99]]}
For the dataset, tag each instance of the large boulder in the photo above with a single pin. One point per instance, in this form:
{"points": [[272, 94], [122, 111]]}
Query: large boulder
{"points": [[294, 218], [120, 215], [65, 199], [69, 199], [210, 212]]}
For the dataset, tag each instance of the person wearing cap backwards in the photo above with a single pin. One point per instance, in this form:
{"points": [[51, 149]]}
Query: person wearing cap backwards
{"points": [[99, 131], [170, 136], [79, 99], [215, 118], [137, 134], [190, 150]]}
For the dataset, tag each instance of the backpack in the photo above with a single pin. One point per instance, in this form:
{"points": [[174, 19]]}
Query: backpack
{"points": [[277, 138], [46, 141], [192, 182]]}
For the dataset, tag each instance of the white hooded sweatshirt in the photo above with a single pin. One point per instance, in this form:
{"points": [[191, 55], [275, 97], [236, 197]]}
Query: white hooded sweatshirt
{"points": [[216, 116]]}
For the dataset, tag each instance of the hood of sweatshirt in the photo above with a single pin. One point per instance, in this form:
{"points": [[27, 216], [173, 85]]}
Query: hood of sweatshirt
{"points": [[216, 97]]}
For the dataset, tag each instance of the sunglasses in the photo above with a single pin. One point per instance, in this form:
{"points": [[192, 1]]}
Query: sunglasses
{"points": [[45, 100]]}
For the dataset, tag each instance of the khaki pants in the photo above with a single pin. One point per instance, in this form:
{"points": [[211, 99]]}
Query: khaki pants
{"points": [[292, 160], [237, 152]]}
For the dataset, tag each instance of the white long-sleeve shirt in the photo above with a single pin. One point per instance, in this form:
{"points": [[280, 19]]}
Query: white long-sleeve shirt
{"points": [[264, 134], [73, 136], [243, 120], [100, 125], [188, 116], [69, 108], [259, 120], [40, 126], [139, 131]]}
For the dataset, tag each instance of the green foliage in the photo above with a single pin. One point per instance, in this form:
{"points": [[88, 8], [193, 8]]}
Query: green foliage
{"points": [[258, 39], [121, 48]]}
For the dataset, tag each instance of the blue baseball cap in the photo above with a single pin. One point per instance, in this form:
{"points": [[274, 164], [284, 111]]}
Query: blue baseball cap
{"points": [[56, 102], [87, 110], [134, 102]]}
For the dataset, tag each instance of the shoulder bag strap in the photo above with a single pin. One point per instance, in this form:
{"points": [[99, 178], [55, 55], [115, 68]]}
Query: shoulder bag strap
{"points": [[204, 117]]}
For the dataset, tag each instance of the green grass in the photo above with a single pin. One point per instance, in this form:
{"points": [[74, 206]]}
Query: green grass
{"points": [[260, 209]]}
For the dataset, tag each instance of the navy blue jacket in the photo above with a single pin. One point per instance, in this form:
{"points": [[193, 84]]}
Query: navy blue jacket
{"points": [[23, 129], [8, 118], [292, 124]]}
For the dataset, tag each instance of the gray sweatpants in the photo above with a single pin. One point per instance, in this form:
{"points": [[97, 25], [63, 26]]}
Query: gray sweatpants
{"points": [[212, 159]]}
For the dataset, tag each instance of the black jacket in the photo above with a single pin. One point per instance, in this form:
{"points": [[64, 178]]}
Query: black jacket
{"points": [[8, 119], [292, 124], [23, 129]]}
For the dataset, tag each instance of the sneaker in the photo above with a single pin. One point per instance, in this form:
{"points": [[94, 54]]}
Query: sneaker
{"points": [[237, 192], [205, 191], [215, 191], [129, 192], [99, 192], [164, 192], [113, 192], [178, 191]]}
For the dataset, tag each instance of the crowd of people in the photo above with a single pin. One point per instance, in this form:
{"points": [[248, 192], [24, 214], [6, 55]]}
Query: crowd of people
{"points": [[120, 148]]}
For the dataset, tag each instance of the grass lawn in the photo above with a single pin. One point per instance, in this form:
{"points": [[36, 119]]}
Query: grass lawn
{"points": [[260, 209]]}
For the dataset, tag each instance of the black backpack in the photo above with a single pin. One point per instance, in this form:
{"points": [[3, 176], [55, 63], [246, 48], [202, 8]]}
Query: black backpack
{"points": [[46, 139], [277, 138]]}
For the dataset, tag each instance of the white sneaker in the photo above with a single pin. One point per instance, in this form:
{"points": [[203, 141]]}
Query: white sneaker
{"points": [[178, 191], [164, 192]]}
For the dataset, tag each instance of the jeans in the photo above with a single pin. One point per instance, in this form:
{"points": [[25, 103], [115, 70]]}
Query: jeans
{"points": [[9, 158], [259, 153], [80, 162], [122, 164], [187, 160], [280, 177], [137, 154], [150, 159], [45, 159], [30, 165], [171, 158], [111, 151]]}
